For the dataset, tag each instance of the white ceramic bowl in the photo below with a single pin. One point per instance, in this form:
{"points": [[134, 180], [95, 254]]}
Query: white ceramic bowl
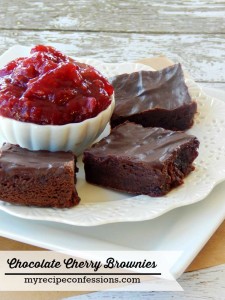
{"points": [[74, 137]]}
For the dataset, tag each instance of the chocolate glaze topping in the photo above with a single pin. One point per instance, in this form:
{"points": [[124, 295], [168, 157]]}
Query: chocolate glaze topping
{"points": [[133, 142], [144, 90], [13, 157]]}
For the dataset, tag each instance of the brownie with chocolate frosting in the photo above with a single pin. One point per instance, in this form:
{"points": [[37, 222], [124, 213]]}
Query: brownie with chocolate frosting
{"points": [[154, 99], [37, 178], [141, 160]]}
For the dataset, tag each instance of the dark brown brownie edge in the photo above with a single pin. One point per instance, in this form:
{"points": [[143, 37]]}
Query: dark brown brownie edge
{"points": [[141, 178], [42, 190], [181, 118]]}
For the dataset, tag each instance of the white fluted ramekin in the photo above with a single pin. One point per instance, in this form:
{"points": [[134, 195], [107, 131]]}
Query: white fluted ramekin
{"points": [[73, 137]]}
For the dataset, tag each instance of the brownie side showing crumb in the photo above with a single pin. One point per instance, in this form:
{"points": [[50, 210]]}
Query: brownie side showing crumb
{"points": [[37, 178], [140, 160], [154, 99]]}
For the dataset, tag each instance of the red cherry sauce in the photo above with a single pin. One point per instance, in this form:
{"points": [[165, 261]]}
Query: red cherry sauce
{"points": [[50, 88]]}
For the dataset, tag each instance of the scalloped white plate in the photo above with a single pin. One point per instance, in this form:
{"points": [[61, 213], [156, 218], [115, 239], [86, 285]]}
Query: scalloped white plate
{"points": [[102, 206]]}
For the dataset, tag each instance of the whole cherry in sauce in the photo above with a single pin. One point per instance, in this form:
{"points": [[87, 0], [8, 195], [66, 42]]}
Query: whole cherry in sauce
{"points": [[49, 87]]}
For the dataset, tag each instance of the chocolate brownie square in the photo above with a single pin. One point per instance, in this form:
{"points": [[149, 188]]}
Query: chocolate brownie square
{"points": [[154, 99], [38, 178], [141, 160]]}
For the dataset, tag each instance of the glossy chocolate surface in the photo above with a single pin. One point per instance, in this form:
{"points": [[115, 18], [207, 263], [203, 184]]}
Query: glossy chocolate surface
{"points": [[13, 157], [146, 90], [135, 143]]}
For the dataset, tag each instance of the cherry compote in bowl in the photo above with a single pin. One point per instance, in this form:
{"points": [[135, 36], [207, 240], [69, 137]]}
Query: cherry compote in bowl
{"points": [[49, 101]]}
